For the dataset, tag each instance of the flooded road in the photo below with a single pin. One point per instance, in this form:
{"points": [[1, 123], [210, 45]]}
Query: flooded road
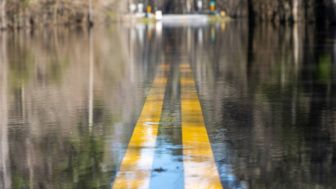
{"points": [[168, 106]]}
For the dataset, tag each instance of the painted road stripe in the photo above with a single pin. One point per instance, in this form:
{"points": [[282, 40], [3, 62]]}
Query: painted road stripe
{"points": [[136, 167], [200, 169]]}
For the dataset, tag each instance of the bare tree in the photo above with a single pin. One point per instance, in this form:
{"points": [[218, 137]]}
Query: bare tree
{"points": [[3, 22], [295, 10], [90, 16]]}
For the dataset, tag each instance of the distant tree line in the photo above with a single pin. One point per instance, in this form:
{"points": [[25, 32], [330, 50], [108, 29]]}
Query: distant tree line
{"points": [[282, 11], [277, 11], [30, 13], [33, 13]]}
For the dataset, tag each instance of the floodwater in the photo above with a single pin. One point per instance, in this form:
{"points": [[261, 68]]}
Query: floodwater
{"points": [[168, 106]]}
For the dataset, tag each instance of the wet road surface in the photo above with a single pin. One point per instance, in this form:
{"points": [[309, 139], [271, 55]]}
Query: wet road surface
{"points": [[168, 106]]}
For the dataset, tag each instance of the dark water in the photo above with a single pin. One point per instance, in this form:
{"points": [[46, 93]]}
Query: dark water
{"points": [[69, 100]]}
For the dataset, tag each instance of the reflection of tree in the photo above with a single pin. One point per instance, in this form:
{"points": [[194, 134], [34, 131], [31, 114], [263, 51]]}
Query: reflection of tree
{"points": [[49, 89], [271, 117], [5, 172], [83, 163]]}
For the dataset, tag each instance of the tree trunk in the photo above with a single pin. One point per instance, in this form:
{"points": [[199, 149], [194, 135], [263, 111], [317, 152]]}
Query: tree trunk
{"points": [[56, 12], [295, 10], [3, 21], [90, 16]]}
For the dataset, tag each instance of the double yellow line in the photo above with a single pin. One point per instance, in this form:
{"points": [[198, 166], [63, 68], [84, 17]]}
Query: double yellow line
{"points": [[200, 170]]}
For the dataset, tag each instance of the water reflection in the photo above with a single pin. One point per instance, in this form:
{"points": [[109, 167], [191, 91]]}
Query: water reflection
{"points": [[69, 100], [72, 98], [5, 181], [267, 107]]}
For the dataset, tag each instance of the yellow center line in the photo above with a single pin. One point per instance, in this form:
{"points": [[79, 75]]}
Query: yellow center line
{"points": [[200, 170], [136, 167]]}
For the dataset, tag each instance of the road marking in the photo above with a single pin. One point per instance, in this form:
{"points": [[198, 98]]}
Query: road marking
{"points": [[136, 167], [200, 170]]}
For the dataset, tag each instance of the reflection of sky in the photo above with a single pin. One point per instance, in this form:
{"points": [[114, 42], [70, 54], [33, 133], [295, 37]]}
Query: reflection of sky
{"points": [[167, 167], [228, 178]]}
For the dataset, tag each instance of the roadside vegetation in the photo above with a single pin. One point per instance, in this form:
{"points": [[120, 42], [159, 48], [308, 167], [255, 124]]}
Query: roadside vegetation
{"points": [[34, 13]]}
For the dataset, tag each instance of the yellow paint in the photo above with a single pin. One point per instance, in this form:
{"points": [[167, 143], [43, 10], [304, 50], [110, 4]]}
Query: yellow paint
{"points": [[212, 7], [149, 9], [135, 169], [200, 170]]}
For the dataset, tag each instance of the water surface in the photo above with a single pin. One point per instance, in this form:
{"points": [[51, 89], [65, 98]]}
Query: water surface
{"points": [[69, 101]]}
